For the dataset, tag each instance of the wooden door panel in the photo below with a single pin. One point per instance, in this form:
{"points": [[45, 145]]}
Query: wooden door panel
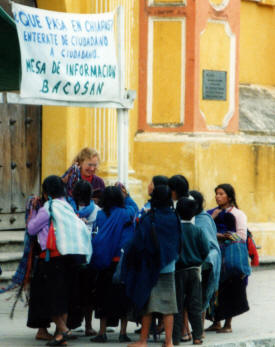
{"points": [[33, 149], [18, 157], [20, 161], [5, 167], [20, 154]]}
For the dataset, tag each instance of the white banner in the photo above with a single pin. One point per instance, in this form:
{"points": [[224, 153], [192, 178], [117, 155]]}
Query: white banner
{"points": [[66, 56]]}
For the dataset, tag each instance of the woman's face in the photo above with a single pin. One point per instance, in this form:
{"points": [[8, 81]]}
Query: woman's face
{"points": [[174, 195], [88, 166], [222, 198], [150, 188]]}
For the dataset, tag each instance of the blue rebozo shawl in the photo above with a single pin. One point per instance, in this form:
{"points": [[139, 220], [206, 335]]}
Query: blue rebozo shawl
{"points": [[113, 233], [225, 221], [149, 252], [234, 252], [207, 224], [85, 212]]}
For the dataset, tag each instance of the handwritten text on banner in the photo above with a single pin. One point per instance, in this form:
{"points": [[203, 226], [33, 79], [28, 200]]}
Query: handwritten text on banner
{"points": [[67, 56]]}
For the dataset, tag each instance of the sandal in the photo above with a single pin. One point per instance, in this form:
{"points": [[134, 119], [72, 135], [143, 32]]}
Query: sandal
{"points": [[197, 342], [99, 338], [186, 338], [69, 336], [213, 328], [55, 342]]}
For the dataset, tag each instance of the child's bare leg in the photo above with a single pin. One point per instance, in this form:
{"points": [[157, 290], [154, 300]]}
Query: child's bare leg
{"points": [[43, 334], [103, 325], [186, 333], [123, 326], [145, 328], [215, 326], [203, 321], [61, 326], [227, 328], [168, 320], [89, 331]]}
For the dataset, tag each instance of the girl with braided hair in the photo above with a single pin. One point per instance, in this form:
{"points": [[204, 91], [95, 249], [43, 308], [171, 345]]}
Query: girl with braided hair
{"points": [[61, 236]]}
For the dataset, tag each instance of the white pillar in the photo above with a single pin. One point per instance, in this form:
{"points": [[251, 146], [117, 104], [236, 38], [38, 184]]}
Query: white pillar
{"points": [[122, 114]]}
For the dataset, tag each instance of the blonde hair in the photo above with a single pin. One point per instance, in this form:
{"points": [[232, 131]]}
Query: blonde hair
{"points": [[86, 153]]}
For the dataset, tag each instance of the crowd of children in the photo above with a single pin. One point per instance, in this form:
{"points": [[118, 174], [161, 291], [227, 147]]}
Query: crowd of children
{"points": [[91, 249]]}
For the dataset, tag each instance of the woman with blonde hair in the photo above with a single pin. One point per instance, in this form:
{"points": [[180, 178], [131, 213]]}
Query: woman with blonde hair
{"points": [[84, 167]]}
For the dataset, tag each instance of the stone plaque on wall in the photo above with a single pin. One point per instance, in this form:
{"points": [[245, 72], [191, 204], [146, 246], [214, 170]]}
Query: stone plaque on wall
{"points": [[214, 85]]}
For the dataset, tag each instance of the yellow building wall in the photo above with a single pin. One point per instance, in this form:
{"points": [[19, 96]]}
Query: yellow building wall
{"points": [[167, 71], [206, 163], [209, 163], [257, 44]]}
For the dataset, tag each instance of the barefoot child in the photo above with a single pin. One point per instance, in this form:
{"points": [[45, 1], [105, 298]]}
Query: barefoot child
{"points": [[150, 262]]}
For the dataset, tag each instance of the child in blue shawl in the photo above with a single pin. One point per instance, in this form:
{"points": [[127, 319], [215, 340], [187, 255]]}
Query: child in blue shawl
{"points": [[82, 203], [150, 264], [87, 210], [114, 228], [212, 265]]}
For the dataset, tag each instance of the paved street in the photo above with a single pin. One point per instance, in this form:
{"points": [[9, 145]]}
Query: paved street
{"points": [[257, 324]]}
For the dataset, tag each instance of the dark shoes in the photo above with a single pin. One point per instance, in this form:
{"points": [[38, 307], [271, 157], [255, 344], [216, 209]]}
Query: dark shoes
{"points": [[99, 338], [62, 342], [55, 342], [69, 336], [103, 338], [124, 338]]}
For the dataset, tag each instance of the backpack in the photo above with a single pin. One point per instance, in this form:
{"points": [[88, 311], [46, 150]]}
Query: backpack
{"points": [[252, 249]]}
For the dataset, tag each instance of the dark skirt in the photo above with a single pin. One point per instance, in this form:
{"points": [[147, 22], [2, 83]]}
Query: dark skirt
{"points": [[111, 300], [232, 299], [52, 290], [84, 296], [205, 275]]}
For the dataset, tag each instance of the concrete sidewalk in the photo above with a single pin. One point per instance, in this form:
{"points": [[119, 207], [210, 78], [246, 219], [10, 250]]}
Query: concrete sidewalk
{"points": [[254, 328]]}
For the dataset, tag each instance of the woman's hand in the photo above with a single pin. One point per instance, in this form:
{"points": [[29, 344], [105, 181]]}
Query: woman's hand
{"points": [[122, 188], [65, 178], [216, 213], [228, 236], [221, 237], [225, 236]]}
